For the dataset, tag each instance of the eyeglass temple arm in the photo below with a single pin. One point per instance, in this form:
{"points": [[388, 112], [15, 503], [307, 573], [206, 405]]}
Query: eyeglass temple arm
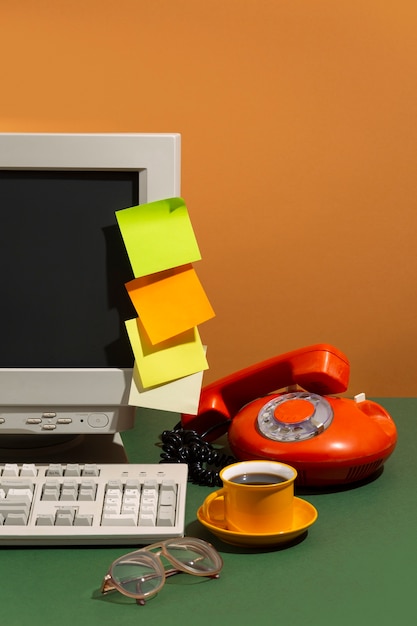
{"points": [[172, 572], [107, 584]]}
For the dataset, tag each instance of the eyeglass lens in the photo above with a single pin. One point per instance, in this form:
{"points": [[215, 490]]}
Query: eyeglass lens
{"points": [[138, 574]]}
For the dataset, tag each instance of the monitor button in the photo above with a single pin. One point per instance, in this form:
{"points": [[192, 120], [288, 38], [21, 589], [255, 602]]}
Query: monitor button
{"points": [[98, 420]]}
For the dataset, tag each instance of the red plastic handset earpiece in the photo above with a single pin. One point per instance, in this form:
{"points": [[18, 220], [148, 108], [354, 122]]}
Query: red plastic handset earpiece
{"points": [[321, 369]]}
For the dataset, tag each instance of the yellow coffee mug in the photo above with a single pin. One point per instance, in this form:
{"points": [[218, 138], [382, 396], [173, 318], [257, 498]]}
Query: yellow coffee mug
{"points": [[258, 497]]}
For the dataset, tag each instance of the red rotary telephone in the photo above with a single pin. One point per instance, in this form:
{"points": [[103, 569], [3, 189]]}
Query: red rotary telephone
{"points": [[330, 440]]}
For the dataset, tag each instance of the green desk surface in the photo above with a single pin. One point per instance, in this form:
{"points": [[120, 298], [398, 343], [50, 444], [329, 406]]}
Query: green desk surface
{"points": [[357, 564]]}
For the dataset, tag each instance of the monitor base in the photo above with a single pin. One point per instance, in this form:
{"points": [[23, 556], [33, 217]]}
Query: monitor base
{"points": [[106, 448]]}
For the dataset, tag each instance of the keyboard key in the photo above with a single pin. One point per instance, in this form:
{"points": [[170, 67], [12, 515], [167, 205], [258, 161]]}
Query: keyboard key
{"points": [[46, 519], [133, 483], [147, 519], [11, 469], [72, 469], [87, 492], [20, 495], [55, 469], [122, 519], [16, 519], [168, 495], [15, 483], [9, 507], [168, 486], [166, 516], [150, 485], [51, 491], [28, 469], [69, 494], [90, 469], [114, 493], [115, 484], [83, 520], [65, 517]]}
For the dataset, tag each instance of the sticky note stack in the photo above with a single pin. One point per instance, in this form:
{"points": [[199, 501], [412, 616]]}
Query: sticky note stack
{"points": [[170, 303]]}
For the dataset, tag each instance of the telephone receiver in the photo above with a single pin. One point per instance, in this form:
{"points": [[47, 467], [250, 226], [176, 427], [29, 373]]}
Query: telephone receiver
{"points": [[330, 440]]}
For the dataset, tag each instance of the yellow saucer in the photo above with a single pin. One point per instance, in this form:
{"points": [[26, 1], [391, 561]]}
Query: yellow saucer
{"points": [[305, 515]]}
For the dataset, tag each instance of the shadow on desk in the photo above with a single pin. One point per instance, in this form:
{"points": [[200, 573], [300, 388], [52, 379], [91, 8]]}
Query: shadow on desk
{"points": [[314, 491], [195, 529]]}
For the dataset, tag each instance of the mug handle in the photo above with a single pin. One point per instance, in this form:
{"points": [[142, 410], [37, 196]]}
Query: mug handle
{"points": [[213, 509]]}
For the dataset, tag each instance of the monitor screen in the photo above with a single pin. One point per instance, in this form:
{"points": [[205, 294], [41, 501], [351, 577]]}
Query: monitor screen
{"points": [[63, 297], [65, 358]]}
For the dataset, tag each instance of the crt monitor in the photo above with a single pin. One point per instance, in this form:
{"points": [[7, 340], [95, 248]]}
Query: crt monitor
{"points": [[65, 358]]}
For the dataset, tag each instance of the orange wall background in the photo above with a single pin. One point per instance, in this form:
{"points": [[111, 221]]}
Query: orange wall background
{"points": [[299, 144]]}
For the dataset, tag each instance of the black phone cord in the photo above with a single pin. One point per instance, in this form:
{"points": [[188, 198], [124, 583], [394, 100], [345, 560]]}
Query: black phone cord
{"points": [[204, 462]]}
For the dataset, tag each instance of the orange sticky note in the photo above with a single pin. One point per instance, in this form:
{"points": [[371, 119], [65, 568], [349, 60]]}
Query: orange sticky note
{"points": [[174, 358], [170, 302]]}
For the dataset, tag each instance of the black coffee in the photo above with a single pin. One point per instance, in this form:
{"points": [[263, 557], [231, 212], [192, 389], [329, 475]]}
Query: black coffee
{"points": [[258, 478]]}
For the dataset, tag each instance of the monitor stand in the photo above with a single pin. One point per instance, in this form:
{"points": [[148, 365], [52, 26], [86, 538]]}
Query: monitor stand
{"points": [[106, 448]]}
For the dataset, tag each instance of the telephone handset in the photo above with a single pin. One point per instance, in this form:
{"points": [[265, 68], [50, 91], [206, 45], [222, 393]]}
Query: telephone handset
{"points": [[329, 440]]}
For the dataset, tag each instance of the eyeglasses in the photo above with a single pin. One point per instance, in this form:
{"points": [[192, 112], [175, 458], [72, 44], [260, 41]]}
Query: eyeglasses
{"points": [[141, 574]]}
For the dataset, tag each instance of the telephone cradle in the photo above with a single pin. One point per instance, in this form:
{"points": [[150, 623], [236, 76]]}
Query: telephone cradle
{"points": [[330, 440]]}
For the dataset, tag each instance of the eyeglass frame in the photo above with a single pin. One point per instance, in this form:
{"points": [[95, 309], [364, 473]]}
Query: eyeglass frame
{"points": [[109, 584]]}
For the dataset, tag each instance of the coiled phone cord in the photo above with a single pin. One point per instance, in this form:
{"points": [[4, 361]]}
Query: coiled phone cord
{"points": [[187, 446]]}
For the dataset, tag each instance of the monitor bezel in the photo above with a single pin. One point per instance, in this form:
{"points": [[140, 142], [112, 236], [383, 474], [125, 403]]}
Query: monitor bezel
{"points": [[156, 157]]}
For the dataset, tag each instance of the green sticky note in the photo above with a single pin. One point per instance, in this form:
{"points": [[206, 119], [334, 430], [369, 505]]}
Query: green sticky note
{"points": [[158, 236]]}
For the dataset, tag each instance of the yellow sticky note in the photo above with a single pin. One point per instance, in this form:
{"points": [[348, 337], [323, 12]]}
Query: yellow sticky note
{"points": [[170, 302], [179, 396], [174, 358], [158, 236]]}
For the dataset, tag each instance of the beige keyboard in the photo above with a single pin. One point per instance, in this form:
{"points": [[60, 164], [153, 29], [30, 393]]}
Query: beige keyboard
{"points": [[88, 504]]}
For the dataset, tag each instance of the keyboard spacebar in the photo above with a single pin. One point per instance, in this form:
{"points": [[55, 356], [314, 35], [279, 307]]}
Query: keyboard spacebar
{"points": [[122, 519]]}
